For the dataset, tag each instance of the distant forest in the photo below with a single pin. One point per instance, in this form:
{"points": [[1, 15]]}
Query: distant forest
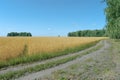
{"points": [[14, 34], [87, 33]]}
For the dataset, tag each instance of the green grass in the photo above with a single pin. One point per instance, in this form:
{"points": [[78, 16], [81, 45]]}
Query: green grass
{"points": [[40, 57], [17, 74]]}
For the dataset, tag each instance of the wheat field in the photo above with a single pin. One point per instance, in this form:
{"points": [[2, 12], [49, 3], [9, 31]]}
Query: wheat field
{"points": [[11, 47]]}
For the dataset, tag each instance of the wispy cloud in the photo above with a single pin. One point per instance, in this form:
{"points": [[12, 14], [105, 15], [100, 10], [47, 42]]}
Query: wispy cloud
{"points": [[49, 29]]}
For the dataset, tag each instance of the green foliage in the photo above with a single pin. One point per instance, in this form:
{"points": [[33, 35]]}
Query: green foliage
{"points": [[113, 18], [19, 34], [88, 33], [63, 78]]}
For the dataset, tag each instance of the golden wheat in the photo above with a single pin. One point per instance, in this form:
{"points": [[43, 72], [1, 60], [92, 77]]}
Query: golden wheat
{"points": [[11, 47]]}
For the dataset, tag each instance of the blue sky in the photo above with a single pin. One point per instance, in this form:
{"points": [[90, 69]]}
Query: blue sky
{"points": [[50, 17]]}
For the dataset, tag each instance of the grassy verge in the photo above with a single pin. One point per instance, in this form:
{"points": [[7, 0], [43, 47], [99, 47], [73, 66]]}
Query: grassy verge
{"points": [[17, 74], [43, 56]]}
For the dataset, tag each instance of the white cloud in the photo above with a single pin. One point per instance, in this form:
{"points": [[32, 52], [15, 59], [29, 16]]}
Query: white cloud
{"points": [[94, 24], [48, 29], [74, 24]]}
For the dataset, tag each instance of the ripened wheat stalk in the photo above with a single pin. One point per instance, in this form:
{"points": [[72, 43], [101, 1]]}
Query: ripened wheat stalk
{"points": [[11, 47]]}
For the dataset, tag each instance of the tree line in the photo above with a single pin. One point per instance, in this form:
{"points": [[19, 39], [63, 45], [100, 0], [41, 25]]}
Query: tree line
{"points": [[88, 33], [12, 34], [112, 28], [113, 18]]}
